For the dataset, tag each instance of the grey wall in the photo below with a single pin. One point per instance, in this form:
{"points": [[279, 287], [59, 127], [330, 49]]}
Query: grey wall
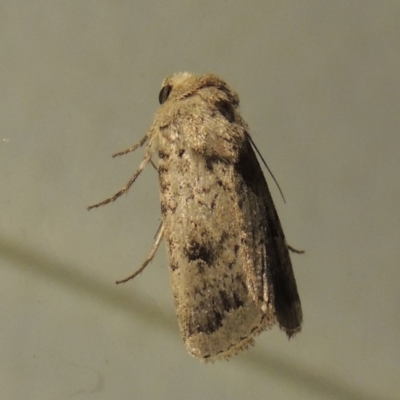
{"points": [[79, 80]]}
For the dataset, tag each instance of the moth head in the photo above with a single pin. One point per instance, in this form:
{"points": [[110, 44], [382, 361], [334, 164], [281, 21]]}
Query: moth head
{"points": [[185, 84]]}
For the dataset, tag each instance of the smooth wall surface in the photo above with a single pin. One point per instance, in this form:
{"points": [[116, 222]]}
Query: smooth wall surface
{"points": [[320, 89]]}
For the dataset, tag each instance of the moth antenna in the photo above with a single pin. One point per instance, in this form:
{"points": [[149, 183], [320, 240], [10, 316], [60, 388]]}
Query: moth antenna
{"points": [[266, 166]]}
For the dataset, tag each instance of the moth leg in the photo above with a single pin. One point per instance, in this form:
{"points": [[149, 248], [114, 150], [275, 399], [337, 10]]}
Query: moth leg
{"points": [[132, 148], [158, 230], [154, 165], [125, 189], [153, 252], [293, 250]]}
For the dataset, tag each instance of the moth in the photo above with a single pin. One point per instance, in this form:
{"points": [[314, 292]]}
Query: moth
{"points": [[230, 268]]}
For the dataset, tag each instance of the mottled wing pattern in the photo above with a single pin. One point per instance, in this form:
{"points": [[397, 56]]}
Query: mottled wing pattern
{"points": [[217, 314], [230, 268], [217, 229]]}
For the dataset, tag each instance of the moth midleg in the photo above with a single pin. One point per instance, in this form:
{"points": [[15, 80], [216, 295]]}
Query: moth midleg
{"points": [[125, 188]]}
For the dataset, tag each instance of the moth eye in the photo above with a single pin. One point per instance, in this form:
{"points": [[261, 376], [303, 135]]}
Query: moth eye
{"points": [[164, 93]]}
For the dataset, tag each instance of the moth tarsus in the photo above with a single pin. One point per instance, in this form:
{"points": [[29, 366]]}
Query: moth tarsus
{"points": [[293, 250], [150, 257]]}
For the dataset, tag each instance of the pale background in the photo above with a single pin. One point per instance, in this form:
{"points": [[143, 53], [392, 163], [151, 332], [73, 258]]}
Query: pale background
{"points": [[320, 88]]}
